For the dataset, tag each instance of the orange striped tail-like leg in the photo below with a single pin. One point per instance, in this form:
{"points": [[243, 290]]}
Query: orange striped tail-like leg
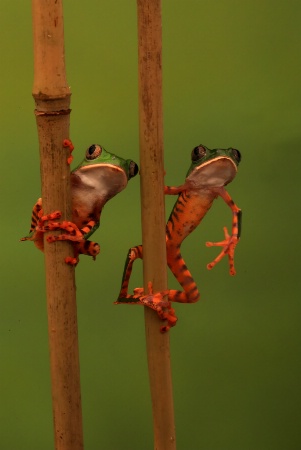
{"points": [[154, 301], [230, 242], [38, 218], [133, 254], [37, 213], [177, 265]]}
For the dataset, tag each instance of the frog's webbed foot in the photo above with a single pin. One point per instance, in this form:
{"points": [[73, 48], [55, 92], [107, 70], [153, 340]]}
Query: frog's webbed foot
{"points": [[27, 238], [74, 234], [162, 307], [154, 301], [228, 244]]}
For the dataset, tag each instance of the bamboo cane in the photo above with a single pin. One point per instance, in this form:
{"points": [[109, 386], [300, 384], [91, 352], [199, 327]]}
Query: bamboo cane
{"points": [[153, 215], [52, 100]]}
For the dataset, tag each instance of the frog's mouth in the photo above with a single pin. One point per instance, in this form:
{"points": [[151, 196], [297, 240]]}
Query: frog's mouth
{"points": [[217, 172]]}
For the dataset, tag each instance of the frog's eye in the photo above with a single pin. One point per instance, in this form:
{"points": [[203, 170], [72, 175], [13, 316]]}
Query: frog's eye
{"points": [[133, 169], [93, 151], [198, 153], [236, 155]]}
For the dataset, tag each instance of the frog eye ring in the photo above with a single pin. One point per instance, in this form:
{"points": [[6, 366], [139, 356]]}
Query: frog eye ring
{"points": [[198, 153], [93, 152], [236, 154]]}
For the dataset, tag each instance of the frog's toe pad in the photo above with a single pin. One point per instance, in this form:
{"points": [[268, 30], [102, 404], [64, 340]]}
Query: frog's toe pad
{"points": [[51, 238], [71, 261], [155, 301]]}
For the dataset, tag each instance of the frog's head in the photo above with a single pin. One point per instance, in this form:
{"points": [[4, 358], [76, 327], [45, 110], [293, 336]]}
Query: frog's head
{"points": [[212, 168], [106, 173]]}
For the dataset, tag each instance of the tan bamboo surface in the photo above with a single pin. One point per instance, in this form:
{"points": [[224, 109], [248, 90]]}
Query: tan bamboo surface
{"points": [[52, 109], [153, 215]]}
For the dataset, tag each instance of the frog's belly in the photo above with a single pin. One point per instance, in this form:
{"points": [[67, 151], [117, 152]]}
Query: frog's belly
{"points": [[85, 207], [188, 212]]}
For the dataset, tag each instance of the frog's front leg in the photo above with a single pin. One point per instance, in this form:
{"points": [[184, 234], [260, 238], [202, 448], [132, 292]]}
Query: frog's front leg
{"points": [[230, 241], [74, 234], [228, 244]]}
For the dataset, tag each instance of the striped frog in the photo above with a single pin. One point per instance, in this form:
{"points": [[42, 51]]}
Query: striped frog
{"points": [[209, 172]]}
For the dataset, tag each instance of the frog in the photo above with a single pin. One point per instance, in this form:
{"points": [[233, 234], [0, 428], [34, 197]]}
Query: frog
{"points": [[97, 178], [209, 172]]}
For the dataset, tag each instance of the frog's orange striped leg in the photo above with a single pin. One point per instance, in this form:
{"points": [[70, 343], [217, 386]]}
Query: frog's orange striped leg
{"points": [[133, 254], [177, 265], [76, 235], [79, 236], [176, 232], [230, 242], [36, 214], [123, 297], [151, 300]]}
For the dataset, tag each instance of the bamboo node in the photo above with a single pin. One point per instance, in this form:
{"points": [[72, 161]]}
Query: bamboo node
{"points": [[61, 112]]}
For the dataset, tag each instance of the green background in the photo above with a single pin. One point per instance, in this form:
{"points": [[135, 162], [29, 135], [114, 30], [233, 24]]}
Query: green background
{"points": [[231, 78]]}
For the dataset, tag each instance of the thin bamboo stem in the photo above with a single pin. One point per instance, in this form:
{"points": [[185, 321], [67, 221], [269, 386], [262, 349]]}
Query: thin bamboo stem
{"points": [[153, 215], [52, 100]]}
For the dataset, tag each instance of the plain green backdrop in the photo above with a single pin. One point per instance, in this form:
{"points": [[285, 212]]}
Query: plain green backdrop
{"points": [[232, 77]]}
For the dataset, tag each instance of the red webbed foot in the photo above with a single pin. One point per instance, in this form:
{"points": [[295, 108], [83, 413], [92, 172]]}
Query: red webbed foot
{"points": [[228, 244], [52, 216], [71, 261], [153, 301], [68, 144], [74, 234], [157, 303]]}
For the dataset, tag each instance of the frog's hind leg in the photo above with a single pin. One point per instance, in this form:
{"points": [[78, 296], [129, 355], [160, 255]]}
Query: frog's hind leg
{"points": [[37, 223], [177, 265], [88, 248], [158, 302], [152, 300], [123, 297], [36, 215], [77, 236]]}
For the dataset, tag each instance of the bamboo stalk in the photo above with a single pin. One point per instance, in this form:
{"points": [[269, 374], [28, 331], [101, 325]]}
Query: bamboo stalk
{"points": [[52, 100], [153, 215]]}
